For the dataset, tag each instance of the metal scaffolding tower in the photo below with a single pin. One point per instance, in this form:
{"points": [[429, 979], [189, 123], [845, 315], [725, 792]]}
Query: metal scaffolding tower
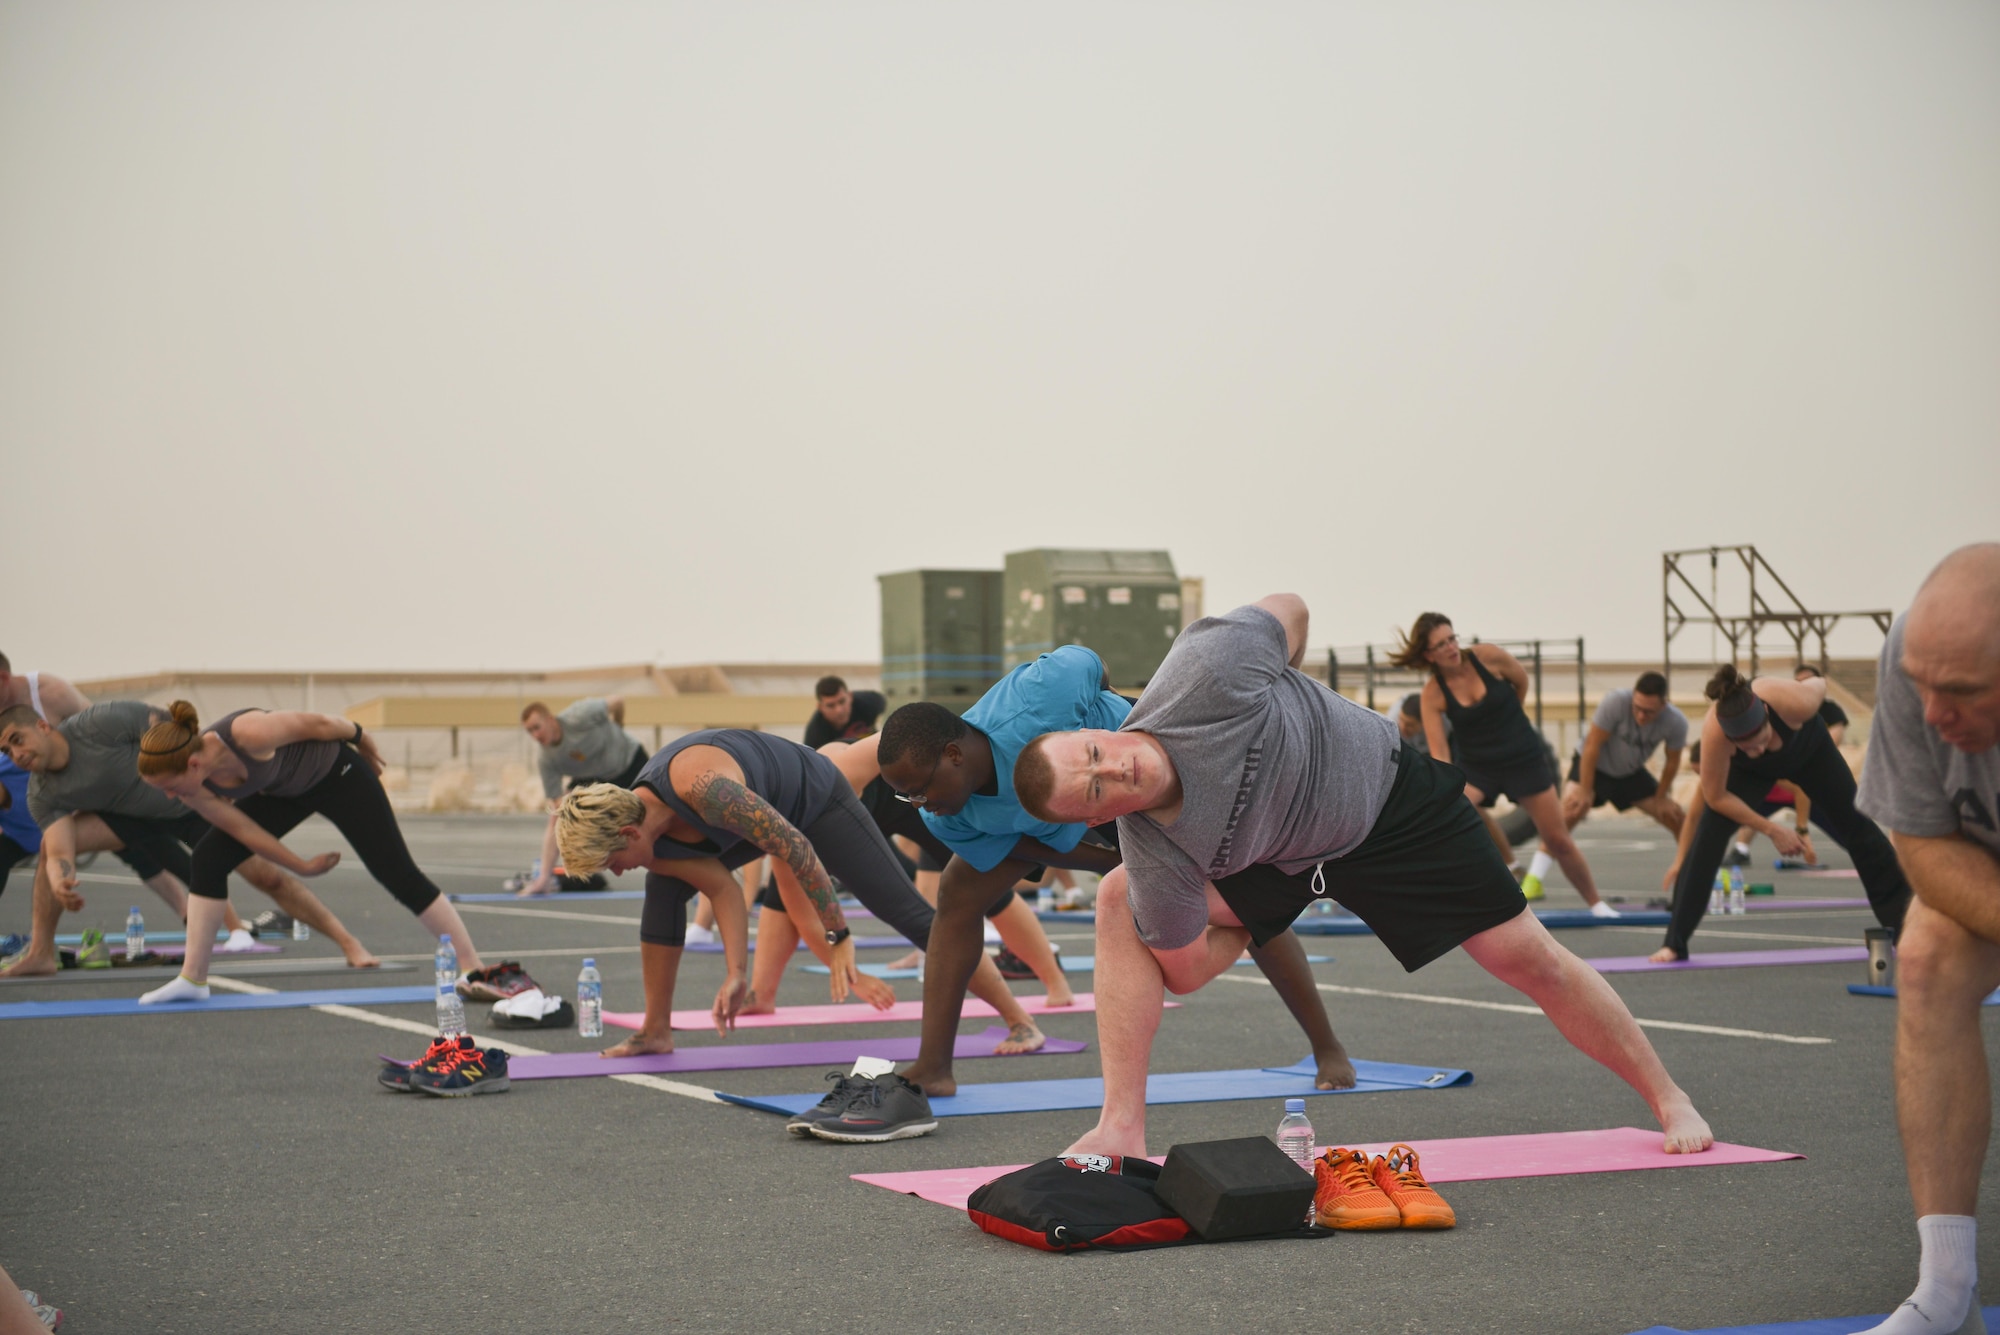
{"points": [[1771, 602]]}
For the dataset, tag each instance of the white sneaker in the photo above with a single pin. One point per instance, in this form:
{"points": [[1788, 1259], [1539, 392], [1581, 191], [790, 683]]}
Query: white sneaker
{"points": [[697, 935], [1603, 910], [239, 941]]}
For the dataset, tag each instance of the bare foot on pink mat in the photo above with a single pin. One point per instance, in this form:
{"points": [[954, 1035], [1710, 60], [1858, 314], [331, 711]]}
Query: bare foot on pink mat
{"points": [[639, 1045], [1102, 1140], [1686, 1131], [1020, 1038]]}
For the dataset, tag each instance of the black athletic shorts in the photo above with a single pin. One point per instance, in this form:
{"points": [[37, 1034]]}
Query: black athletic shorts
{"points": [[1426, 878], [1623, 791], [1518, 780]]}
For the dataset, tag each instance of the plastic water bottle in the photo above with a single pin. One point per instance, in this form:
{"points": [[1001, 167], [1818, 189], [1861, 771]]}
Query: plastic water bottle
{"points": [[1295, 1138], [1718, 894], [301, 932], [1045, 897], [590, 1001], [135, 934], [450, 1006], [1735, 892]]}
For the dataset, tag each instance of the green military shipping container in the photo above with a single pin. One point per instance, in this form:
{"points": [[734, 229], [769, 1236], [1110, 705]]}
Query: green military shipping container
{"points": [[940, 635], [1125, 605]]}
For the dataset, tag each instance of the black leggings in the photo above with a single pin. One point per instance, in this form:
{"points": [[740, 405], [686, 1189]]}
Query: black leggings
{"points": [[352, 798], [1823, 776], [850, 848]]}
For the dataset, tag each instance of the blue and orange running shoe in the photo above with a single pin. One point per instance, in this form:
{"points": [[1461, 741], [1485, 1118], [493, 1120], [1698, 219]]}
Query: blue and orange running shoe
{"points": [[396, 1074], [463, 1072]]}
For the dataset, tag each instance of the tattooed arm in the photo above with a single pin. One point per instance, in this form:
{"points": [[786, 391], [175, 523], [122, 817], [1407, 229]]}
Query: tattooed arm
{"points": [[725, 803]]}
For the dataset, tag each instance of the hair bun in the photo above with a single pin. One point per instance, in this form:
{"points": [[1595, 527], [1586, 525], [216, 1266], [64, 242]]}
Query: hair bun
{"points": [[183, 713], [1725, 681]]}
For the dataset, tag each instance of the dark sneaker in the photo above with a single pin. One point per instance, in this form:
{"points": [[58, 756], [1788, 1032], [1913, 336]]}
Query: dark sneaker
{"points": [[495, 982], [463, 1073], [1013, 966], [1735, 857], [396, 1074], [886, 1107], [271, 922], [845, 1088]]}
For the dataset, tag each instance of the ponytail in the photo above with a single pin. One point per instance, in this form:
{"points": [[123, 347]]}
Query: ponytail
{"points": [[1415, 645], [166, 746]]}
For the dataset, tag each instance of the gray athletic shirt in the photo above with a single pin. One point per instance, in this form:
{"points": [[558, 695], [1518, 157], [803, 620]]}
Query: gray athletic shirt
{"points": [[1274, 768], [103, 770], [1626, 750], [593, 746], [1913, 781]]}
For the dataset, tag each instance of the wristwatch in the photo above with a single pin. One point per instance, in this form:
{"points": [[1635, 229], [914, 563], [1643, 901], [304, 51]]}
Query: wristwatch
{"points": [[835, 938]]}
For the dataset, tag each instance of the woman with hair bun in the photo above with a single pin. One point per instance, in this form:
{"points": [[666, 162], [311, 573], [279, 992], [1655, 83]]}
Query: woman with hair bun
{"points": [[254, 776], [1758, 733], [1492, 740]]}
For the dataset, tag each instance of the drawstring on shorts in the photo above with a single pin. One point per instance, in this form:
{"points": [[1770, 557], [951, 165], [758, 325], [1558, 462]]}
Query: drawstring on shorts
{"points": [[1319, 879]]}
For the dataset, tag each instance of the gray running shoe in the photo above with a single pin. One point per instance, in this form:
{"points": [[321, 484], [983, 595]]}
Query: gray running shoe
{"points": [[887, 1107], [845, 1088]]}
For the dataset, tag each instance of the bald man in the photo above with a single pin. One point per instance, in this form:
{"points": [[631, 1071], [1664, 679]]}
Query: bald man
{"points": [[1932, 779]]}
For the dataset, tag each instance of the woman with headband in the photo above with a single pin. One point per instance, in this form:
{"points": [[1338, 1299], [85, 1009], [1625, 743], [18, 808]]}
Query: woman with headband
{"points": [[255, 776], [1757, 733]]}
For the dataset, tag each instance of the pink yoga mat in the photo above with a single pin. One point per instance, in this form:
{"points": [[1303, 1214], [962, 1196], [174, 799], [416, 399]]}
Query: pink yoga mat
{"points": [[1469, 1159], [1732, 959], [853, 1012], [1833, 873]]}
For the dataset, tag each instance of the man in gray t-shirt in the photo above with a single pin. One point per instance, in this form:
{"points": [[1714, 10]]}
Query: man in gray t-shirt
{"points": [[585, 744], [1244, 791], [1932, 779]]}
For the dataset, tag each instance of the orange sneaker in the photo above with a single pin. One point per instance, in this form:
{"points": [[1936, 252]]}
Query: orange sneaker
{"points": [[1403, 1183], [1346, 1197]]}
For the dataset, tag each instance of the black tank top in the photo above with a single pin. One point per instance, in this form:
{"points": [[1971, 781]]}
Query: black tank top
{"points": [[291, 771], [797, 782], [1751, 777], [1496, 731]]}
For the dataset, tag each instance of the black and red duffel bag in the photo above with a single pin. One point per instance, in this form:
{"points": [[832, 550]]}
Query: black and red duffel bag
{"points": [[1084, 1200]]}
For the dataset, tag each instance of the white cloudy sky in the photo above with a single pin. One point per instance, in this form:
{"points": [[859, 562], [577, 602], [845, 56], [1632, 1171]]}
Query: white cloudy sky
{"points": [[511, 335]]}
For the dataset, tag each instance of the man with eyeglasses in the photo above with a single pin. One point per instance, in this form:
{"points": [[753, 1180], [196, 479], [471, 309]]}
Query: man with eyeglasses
{"points": [[959, 772]]}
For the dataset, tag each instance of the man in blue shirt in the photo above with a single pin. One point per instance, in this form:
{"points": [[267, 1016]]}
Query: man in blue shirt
{"points": [[960, 773]]}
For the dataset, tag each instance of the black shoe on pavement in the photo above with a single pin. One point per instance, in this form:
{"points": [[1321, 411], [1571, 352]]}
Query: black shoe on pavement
{"points": [[845, 1088], [1013, 966], [271, 922], [886, 1107]]}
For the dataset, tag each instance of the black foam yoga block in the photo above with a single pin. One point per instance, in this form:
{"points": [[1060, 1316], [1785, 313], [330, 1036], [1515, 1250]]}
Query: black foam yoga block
{"points": [[1235, 1188]]}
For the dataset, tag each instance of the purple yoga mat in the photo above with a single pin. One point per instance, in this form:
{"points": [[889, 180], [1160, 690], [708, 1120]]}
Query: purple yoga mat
{"points": [[860, 943], [759, 1056], [175, 952], [1734, 959]]}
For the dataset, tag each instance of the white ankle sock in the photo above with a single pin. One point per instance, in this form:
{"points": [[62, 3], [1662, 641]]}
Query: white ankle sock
{"points": [[1540, 865], [239, 940], [1742, 849], [697, 935], [180, 989], [1603, 910], [1946, 1300]]}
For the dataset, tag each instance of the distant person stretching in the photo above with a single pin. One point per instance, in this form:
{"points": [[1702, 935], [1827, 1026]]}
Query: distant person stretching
{"points": [[1610, 763], [712, 801], [255, 776], [1933, 777], [1244, 790], [1492, 740], [842, 715], [44, 692], [585, 744], [1757, 734]]}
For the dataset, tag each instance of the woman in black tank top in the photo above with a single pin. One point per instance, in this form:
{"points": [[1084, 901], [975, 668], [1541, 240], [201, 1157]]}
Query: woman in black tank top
{"points": [[1756, 734], [1492, 740]]}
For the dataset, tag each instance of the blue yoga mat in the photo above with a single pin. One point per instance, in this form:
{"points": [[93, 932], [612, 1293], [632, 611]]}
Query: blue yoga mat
{"points": [[1341, 924], [1839, 1325], [1872, 990], [1186, 1087], [221, 1001], [1070, 964]]}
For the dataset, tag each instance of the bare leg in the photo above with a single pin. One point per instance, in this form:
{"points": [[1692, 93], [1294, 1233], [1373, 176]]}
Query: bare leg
{"points": [[1580, 1004], [47, 910], [1022, 932], [1546, 812], [660, 966], [203, 917], [169, 888], [1943, 1100], [1664, 810], [442, 919], [1283, 961], [777, 941], [927, 886], [291, 895], [1023, 1034], [955, 958]]}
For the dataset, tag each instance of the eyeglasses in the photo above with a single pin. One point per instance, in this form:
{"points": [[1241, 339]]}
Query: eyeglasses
{"points": [[922, 795], [1449, 639]]}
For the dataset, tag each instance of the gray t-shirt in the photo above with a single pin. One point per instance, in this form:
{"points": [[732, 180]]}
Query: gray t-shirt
{"points": [[593, 746], [1629, 746], [1915, 782], [103, 770], [1274, 768]]}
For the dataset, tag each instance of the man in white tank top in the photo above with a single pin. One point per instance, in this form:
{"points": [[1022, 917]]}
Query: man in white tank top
{"points": [[46, 693]]}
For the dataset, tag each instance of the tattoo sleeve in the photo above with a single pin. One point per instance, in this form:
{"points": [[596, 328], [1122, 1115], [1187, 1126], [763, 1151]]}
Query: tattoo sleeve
{"points": [[728, 805]]}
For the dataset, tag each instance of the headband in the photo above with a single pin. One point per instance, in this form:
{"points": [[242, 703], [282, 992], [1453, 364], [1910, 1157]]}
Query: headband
{"points": [[192, 733], [1747, 724]]}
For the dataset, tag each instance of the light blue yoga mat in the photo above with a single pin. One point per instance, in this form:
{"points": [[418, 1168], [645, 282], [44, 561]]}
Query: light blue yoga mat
{"points": [[220, 1001], [1185, 1087], [1070, 964], [1839, 1325], [1873, 990]]}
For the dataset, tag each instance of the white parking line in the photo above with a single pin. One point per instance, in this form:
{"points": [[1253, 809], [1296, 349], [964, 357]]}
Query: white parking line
{"points": [[548, 913], [1514, 1008]]}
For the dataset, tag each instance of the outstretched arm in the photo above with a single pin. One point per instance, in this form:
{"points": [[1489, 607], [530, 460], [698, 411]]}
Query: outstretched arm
{"points": [[1431, 704], [725, 803], [1086, 856], [262, 733], [225, 817], [1508, 666], [1956, 877], [1290, 609]]}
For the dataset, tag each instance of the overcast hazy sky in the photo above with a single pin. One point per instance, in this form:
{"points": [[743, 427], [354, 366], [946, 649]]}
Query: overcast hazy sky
{"points": [[512, 335]]}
